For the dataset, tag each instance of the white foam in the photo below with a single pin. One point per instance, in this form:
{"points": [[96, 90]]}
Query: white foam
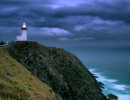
{"points": [[101, 77], [91, 70], [123, 97], [111, 86], [120, 87]]}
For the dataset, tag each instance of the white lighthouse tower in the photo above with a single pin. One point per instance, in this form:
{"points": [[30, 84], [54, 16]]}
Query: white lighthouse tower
{"points": [[23, 37]]}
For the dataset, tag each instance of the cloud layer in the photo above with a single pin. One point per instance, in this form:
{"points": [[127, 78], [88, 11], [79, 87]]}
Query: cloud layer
{"points": [[79, 20]]}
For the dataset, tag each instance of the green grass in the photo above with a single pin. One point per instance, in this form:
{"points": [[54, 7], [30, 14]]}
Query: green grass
{"points": [[17, 83], [2, 98]]}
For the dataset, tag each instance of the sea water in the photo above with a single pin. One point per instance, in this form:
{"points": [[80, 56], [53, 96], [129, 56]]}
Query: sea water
{"points": [[110, 64]]}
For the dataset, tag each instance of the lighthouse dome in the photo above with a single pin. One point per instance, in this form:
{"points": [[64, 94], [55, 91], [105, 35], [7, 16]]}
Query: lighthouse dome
{"points": [[24, 25]]}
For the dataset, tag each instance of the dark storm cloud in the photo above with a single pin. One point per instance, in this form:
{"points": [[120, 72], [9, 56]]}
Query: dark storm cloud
{"points": [[112, 11], [24, 2], [66, 20], [115, 10]]}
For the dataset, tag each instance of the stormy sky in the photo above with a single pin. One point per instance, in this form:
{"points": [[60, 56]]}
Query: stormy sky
{"points": [[67, 22]]}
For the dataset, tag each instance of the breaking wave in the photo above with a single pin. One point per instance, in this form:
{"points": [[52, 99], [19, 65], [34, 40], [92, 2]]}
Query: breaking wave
{"points": [[112, 86]]}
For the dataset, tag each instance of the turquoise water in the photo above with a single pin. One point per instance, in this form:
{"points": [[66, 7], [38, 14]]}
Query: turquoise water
{"points": [[110, 64]]}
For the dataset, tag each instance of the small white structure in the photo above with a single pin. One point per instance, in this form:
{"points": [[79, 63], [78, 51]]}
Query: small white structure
{"points": [[23, 37]]}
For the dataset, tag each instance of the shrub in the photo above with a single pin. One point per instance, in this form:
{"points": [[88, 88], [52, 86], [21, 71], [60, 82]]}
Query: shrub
{"points": [[112, 97], [1, 43], [2, 86]]}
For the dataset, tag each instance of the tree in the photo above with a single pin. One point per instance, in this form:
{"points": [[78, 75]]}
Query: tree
{"points": [[112, 97], [1, 43]]}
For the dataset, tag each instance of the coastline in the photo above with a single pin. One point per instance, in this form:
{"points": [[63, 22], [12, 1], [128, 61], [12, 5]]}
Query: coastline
{"points": [[112, 86]]}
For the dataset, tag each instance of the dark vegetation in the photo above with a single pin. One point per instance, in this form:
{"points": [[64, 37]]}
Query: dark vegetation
{"points": [[61, 70], [112, 97], [2, 43]]}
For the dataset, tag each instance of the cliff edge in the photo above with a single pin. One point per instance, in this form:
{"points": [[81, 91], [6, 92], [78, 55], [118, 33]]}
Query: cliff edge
{"points": [[59, 69]]}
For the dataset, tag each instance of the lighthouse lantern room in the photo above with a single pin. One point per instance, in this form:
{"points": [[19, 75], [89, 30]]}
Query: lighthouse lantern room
{"points": [[23, 37]]}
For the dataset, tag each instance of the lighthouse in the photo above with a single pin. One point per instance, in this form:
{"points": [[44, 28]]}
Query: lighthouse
{"points": [[23, 37]]}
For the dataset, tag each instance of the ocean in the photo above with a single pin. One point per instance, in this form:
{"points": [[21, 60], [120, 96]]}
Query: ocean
{"points": [[111, 64]]}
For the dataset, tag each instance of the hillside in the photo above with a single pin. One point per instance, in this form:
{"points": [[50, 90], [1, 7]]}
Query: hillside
{"points": [[61, 70], [17, 83]]}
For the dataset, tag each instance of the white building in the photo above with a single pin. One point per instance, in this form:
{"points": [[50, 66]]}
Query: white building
{"points": [[23, 36]]}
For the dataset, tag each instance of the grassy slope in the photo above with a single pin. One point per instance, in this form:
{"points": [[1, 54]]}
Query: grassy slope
{"points": [[17, 82], [59, 69]]}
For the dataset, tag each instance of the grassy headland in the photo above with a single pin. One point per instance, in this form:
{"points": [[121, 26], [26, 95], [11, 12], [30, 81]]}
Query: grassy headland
{"points": [[59, 69], [17, 83]]}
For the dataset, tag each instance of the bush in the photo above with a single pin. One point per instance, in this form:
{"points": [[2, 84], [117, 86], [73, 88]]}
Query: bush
{"points": [[2, 86], [1, 43], [112, 97]]}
